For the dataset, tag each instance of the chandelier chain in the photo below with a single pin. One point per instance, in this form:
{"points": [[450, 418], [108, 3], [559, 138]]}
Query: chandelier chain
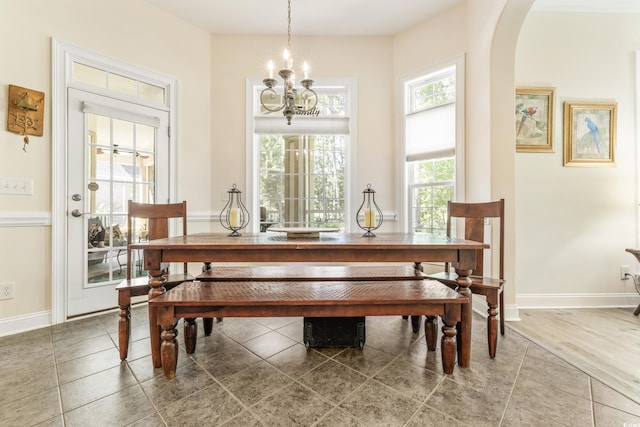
{"points": [[292, 101], [289, 27]]}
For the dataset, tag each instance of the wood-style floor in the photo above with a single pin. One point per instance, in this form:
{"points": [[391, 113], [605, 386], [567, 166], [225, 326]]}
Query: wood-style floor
{"points": [[602, 342]]}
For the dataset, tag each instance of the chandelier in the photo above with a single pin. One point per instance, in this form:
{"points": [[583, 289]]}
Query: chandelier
{"points": [[291, 103]]}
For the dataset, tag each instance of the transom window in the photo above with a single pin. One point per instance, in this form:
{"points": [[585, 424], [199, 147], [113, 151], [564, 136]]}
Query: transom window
{"points": [[117, 83]]}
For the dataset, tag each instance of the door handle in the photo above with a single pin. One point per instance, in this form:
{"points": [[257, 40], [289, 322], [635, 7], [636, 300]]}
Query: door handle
{"points": [[77, 213]]}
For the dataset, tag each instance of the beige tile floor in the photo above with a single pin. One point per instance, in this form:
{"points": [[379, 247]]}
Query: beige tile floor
{"points": [[257, 372]]}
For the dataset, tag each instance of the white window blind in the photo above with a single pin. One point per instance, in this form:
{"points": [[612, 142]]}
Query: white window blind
{"points": [[430, 133], [277, 125]]}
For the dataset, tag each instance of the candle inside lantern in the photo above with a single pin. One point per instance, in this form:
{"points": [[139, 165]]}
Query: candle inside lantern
{"points": [[370, 218], [234, 218]]}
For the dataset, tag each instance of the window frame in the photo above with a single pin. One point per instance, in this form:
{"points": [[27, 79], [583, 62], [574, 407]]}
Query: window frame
{"points": [[252, 144], [405, 167]]}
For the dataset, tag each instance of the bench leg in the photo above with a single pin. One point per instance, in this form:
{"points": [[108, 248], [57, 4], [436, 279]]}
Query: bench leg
{"points": [[124, 323], [431, 332], [190, 335], [448, 346], [169, 349]]}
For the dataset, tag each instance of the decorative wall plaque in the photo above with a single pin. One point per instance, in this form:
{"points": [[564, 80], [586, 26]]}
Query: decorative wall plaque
{"points": [[25, 114]]}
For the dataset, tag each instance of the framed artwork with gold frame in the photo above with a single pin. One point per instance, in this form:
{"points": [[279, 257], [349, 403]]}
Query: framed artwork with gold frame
{"points": [[534, 119], [589, 133]]}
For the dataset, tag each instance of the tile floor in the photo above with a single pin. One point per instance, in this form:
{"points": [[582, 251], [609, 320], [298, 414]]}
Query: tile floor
{"points": [[257, 372]]}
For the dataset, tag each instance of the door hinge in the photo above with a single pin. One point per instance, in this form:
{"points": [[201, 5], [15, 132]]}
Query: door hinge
{"points": [[169, 131]]}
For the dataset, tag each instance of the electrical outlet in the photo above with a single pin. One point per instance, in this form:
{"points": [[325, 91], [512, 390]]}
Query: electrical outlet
{"points": [[7, 290], [624, 272]]}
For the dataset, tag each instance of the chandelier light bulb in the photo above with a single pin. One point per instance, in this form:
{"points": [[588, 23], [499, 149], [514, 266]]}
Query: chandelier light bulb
{"points": [[270, 67], [287, 59], [305, 68]]}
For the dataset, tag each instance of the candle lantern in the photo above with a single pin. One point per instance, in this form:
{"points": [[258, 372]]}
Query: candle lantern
{"points": [[234, 215], [369, 212]]}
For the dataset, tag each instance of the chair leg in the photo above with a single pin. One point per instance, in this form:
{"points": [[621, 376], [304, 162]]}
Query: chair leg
{"points": [[207, 323], [635, 313], [431, 332], [190, 335], [415, 323], [124, 323], [492, 323], [501, 313]]}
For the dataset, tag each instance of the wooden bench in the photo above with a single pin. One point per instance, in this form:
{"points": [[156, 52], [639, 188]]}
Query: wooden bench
{"points": [[310, 273], [306, 298], [139, 287]]}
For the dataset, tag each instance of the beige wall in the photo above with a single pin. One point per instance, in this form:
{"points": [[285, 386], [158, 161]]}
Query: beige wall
{"points": [[574, 223], [368, 59], [212, 133], [585, 214], [128, 31]]}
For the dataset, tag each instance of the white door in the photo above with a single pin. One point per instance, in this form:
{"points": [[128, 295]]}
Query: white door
{"points": [[117, 151]]}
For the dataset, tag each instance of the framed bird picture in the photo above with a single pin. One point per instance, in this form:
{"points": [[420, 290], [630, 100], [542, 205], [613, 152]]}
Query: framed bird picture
{"points": [[534, 119], [589, 133]]}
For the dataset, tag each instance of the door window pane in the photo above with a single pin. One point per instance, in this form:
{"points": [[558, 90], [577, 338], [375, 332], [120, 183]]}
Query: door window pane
{"points": [[120, 161]]}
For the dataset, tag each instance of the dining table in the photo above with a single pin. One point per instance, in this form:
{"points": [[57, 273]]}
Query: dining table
{"points": [[275, 247]]}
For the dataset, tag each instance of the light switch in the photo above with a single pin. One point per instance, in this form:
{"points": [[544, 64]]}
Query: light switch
{"points": [[16, 186]]}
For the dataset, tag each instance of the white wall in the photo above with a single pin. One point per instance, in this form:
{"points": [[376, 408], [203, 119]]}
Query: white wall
{"points": [[574, 223]]}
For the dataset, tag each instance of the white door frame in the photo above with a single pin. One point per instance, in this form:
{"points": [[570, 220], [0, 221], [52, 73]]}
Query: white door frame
{"points": [[63, 56]]}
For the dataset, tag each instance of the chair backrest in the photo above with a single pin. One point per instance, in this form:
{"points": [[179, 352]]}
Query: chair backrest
{"points": [[157, 217], [474, 215]]}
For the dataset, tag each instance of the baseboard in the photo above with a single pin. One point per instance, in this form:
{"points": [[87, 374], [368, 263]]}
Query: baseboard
{"points": [[558, 301], [531, 301], [479, 305], [24, 323]]}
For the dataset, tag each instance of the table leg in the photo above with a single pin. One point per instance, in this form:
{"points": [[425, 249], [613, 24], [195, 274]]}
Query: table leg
{"points": [[415, 320], [156, 282], [464, 327], [207, 322]]}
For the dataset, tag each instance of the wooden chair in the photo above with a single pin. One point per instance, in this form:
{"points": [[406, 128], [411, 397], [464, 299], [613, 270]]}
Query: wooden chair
{"points": [[474, 215], [157, 217], [635, 253]]}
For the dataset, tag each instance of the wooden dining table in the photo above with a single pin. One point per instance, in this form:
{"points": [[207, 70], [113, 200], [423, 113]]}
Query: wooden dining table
{"points": [[272, 247]]}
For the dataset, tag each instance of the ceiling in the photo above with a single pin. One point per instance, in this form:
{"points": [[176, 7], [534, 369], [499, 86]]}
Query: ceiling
{"points": [[308, 17], [341, 17]]}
